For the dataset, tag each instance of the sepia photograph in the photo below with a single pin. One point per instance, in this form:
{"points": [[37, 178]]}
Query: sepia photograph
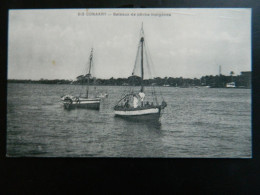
{"points": [[129, 83]]}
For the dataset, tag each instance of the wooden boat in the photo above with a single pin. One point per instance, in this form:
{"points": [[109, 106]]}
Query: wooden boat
{"points": [[132, 104], [102, 95], [231, 85], [70, 101]]}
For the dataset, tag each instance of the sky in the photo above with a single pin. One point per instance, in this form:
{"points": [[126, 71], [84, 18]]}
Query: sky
{"points": [[188, 43]]}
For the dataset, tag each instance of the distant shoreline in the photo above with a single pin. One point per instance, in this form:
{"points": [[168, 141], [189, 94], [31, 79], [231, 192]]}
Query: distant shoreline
{"points": [[218, 81], [240, 87]]}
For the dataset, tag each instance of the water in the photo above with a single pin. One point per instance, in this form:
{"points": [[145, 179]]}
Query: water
{"points": [[198, 122]]}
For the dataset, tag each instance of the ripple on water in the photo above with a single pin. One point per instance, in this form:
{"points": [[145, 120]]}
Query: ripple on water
{"points": [[196, 123]]}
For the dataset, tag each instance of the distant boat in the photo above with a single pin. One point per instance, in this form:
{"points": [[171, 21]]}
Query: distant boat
{"points": [[231, 85], [132, 104], [102, 95], [165, 85], [70, 101]]}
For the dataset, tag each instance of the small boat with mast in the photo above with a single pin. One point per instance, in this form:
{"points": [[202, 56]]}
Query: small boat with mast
{"points": [[70, 101], [132, 104]]}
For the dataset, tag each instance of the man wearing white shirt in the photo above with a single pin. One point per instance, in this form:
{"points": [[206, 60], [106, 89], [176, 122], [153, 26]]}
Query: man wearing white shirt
{"points": [[135, 102], [142, 95]]}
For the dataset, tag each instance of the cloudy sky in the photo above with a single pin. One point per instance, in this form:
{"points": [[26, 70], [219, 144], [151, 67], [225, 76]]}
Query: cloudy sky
{"points": [[55, 44]]}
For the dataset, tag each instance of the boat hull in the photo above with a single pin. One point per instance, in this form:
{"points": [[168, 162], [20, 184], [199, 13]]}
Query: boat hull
{"points": [[82, 103], [231, 85], [139, 114], [147, 117]]}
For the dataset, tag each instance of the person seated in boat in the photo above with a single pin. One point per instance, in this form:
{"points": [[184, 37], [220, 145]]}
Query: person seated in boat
{"points": [[152, 104], [147, 104], [126, 103], [135, 101], [142, 95], [77, 100], [123, 103]]}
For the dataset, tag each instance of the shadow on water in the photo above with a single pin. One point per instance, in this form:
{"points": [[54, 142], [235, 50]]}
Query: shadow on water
{"points": [[150, 124], [79, 108]]}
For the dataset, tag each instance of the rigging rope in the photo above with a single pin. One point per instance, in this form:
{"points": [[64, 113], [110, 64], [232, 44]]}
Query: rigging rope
{"points": [[150, 75], [136, 58], [152, 66]]}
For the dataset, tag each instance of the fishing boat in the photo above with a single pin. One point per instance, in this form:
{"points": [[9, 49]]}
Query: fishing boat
{"points": [[103, 95], [166, 84], [231, 85], [134, 103], [70, 101]]}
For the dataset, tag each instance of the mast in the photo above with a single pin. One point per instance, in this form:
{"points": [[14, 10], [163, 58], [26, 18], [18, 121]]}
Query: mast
{"points": [[88, 75], [142, 59]]}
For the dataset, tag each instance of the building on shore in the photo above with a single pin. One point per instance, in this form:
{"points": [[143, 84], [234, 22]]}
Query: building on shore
{"points": [[246, 78]]}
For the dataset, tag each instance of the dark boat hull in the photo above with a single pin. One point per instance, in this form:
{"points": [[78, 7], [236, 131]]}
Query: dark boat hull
{"points": [[145, 117], [82, 103], [142, 114], [94, 106]]}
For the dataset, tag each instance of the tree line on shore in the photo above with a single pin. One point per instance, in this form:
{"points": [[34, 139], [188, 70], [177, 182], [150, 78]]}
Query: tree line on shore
{"points": [[209, 80]]}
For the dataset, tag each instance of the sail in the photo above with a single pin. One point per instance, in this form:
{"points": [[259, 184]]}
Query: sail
{"points": [[141, 94], [89, 75], [71, 101], [142, 74]]}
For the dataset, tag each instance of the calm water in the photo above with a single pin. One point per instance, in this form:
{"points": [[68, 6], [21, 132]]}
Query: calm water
{"points": [[198, 122]]}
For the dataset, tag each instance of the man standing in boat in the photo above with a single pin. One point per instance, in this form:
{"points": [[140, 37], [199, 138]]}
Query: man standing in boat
{"points": [[135, 101], [142, 95]]}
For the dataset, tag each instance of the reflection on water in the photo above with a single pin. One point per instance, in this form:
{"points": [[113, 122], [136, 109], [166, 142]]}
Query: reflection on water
{"points": [[196, 123], [153, 124]]}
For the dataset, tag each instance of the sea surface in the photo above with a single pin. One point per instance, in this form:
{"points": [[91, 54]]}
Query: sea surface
{"points": [[197, 123]]}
